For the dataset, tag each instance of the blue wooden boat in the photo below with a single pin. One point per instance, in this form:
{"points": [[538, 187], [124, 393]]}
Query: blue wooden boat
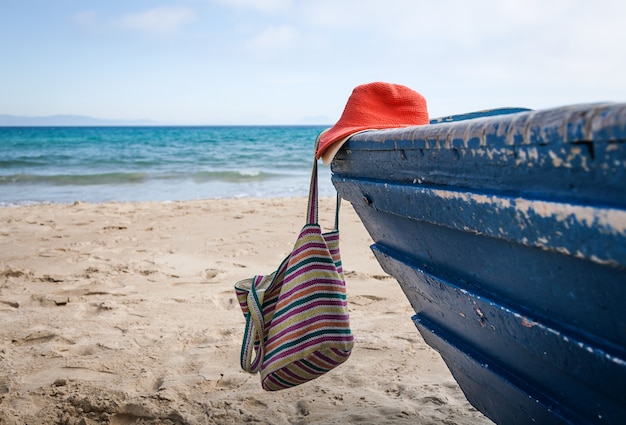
{"points": [[506, 230]]}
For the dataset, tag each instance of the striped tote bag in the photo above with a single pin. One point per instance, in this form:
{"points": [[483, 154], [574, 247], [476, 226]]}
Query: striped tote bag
{"points": [[297, 323]]}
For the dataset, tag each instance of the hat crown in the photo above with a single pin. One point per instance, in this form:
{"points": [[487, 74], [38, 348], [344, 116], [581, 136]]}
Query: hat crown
{"points": [[384, 104], [376, 105]]}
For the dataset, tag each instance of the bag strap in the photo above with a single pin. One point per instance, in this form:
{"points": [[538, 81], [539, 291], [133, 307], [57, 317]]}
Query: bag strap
{"points": [[311, 217], [312, 208], [253, 334], [338, 204]]}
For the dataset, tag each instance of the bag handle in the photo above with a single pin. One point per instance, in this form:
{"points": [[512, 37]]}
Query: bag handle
{"points": [[253, 334], [312, 208]]}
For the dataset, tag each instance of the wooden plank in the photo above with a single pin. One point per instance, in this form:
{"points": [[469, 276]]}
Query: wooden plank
{"points": [[581, 158], [544, 362], [591, 232]]}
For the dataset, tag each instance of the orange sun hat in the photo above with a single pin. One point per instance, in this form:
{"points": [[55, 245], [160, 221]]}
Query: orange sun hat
{"points": [[373, 106]]}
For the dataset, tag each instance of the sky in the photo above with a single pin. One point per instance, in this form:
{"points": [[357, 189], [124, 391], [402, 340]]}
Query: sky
{"points": [[211, 62]]}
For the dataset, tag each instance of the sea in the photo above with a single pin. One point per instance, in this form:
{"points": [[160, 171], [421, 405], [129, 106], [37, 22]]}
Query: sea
{"points": [[128, 164]]}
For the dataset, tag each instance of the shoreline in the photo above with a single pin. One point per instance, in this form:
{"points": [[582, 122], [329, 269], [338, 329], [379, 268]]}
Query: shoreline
{"points": [[156, 190], [121, 312]]}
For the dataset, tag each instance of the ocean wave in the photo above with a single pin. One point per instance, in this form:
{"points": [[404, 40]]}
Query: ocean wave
{"points": [[112, 179], [74, 180], [234, 176], [19, 163]]}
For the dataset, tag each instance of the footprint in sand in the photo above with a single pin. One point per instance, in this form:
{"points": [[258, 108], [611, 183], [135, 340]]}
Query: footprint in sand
{"points": [[226, 300], [363, 300], [302, 407], [208, 276], [439, 401], [211, 274], [38, 336], [5, 384], [15, 272]]}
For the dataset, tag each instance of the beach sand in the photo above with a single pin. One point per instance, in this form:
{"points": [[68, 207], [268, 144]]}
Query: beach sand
{"points": [[125, 313]]}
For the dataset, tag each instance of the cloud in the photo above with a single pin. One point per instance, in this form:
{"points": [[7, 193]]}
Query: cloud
{"points": [[157, 21], [491, 38], [460, 22], [273, 38]]}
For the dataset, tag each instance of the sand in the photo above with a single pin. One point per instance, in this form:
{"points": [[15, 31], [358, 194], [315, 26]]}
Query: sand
{"points": [[124, 313]]}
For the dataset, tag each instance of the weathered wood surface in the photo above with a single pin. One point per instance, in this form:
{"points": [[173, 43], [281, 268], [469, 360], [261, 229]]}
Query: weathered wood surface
{"points": [[508, 235]]}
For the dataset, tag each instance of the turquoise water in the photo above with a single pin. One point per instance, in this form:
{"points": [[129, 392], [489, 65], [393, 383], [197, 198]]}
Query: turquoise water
{"points": [[100, 164]]}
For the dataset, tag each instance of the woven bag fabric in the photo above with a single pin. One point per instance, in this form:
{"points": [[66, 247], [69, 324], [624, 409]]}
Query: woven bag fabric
{"points": [[297, 321]]}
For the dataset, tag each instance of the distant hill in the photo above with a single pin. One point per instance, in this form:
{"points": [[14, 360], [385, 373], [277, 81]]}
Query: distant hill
{"points": [[67, 120]]}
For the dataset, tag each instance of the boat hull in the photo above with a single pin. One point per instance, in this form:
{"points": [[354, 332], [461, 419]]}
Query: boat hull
{"points": [[507, 233]]}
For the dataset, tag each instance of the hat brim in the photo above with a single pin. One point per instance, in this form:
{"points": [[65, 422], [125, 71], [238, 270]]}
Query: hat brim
{"points": [[331, 150], [336, 137]]}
